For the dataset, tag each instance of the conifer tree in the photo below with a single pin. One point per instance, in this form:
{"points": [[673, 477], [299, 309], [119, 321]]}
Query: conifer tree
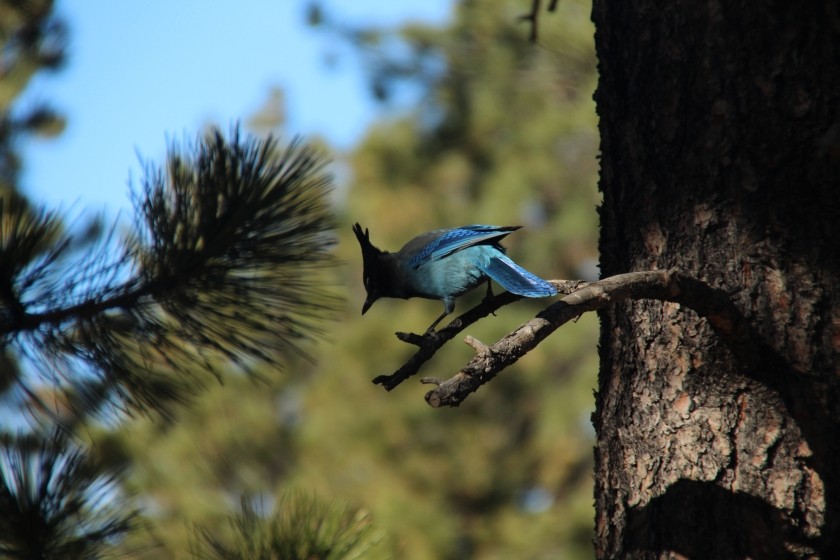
{"points": [[221, 269]]}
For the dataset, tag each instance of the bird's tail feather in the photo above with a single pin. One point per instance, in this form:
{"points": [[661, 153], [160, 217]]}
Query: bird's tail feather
{"points": [[516, 279]]}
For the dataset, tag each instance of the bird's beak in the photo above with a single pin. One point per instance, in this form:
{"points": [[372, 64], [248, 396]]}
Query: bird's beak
{"points": [[367, 304]]}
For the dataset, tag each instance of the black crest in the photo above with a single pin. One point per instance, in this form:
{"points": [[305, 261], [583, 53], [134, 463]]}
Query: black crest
{"points": [[370, 254]]}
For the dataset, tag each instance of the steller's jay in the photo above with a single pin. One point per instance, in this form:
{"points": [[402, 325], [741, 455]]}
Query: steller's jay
{"points": [[444, 264]]}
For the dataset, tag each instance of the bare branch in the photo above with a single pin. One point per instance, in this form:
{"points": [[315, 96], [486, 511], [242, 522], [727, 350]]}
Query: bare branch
{"points": [[710, 303], [489, 361], [533, 17], [430, 342]]}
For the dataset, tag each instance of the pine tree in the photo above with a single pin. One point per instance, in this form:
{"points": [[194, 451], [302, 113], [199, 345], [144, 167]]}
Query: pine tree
{"points": [[221, 269]]}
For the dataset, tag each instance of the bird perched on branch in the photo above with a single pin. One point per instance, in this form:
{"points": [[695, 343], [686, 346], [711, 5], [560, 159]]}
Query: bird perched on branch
{"points": [[444, 264]]}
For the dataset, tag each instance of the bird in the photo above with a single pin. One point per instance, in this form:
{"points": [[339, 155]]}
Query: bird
{"points": [[444, 264]]}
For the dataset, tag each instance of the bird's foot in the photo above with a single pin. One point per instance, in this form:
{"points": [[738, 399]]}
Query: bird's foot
{"points": [[487, 300]]}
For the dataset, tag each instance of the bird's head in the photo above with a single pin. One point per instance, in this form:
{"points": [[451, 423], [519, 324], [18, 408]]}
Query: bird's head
{"points": [[374, 275]]}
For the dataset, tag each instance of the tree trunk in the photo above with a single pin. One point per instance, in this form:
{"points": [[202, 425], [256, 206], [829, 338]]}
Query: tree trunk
{"points": [[720, 142]]}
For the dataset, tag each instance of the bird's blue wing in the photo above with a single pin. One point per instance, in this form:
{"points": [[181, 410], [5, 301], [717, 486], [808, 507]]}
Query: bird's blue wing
{"points": [[452, 240]]}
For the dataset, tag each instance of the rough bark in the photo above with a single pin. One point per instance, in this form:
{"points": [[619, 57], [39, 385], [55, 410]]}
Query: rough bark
{"points": [[720, 141]]}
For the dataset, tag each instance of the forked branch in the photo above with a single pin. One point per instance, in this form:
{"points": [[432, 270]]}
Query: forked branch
{"points": [[429, 343], [581, 297]]}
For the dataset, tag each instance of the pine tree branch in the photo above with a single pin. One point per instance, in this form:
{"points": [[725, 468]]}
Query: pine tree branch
{"points": [[301, 526], [582, 297], [57, 501], [83, 311], [224, 267]]}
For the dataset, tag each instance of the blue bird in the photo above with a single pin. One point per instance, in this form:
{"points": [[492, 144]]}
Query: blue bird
{"points": [[444, 264]]}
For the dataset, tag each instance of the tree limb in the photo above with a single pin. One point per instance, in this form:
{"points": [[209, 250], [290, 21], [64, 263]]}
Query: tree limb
{"points": [[710, 303], [429, 343], [533, 16]]}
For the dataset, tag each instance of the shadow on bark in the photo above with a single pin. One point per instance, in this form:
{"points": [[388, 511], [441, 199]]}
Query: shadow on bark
{"points": [[701, 520], [811, 399], [813, 404]]}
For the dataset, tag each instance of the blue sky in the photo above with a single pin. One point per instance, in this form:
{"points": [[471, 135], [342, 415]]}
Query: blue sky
{"points": [[140, 72]]}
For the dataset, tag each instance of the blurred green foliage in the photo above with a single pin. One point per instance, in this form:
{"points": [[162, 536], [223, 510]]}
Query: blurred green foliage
{"points": [[32, 40], [503, 132], [302, 527]]}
